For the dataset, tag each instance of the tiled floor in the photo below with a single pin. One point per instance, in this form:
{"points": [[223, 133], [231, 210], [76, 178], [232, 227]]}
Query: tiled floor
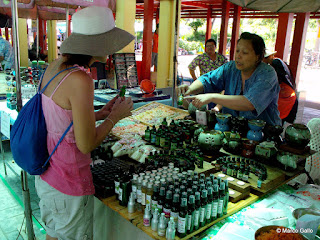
{"points": [[11, 210]]}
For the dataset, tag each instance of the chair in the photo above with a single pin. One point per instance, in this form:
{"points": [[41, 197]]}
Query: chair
{"points": [[313, 162]]}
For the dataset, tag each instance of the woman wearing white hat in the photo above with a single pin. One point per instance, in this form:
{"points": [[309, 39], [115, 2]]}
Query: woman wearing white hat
{"points": [[66, 187]]}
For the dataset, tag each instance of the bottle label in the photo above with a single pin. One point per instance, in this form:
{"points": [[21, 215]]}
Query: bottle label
{"points": [[167, 213], [196, 218], [174, 146], [116, 187], [189, 222], [162, 141], [134, 190], [148, 200], [146, 222], [175, 216], [202, 213], [220, 206], [120, 194], [214, 209], [143, 198], [154, 205], [147, 136], [139, 195], [153, 138], [259, 183], [208, 215], [161, 232], [182, 224]]}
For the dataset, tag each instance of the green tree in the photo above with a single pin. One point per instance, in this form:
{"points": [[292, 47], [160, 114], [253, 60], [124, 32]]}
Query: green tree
{"points": [[197, 23]]}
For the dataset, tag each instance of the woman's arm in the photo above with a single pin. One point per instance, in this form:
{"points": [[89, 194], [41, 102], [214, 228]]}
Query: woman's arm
{"points": [[87, 135], [238, 103]]}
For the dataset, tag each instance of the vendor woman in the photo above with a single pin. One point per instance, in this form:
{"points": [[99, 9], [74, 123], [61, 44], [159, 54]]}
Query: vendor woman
{"points": [[251, 86]]}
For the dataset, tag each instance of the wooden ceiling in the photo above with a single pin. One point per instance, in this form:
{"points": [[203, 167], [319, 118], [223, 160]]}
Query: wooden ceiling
{"points": [[199, 9]]}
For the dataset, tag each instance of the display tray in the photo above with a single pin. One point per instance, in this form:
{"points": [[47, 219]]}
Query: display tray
{"points": [[128, 126], [136, 218], [106, 97], [153, 113]]}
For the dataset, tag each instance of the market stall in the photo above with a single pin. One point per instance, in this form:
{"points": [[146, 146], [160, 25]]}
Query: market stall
{"points": [[139, 151]]}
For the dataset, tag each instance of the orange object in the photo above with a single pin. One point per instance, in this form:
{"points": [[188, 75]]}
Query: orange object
{"points": [[155, 40], [287, 98], [274, 235], [147, 87]]}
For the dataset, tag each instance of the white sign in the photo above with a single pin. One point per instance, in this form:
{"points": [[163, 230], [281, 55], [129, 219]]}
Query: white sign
{"points": [[5, 124]]}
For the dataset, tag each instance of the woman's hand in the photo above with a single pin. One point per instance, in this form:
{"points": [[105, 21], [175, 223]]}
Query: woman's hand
{"points": [[104, 112], [121, 109], [182, 89], [199, 100]]}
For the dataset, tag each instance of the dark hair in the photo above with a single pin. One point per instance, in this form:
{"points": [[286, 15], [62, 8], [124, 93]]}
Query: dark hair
{"points": [[211, 40], [257, 43], [79, 59]]}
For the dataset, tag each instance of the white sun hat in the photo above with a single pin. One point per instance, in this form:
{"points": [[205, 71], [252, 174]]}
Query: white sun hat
{"points": [[94, 33], [269, 53]]}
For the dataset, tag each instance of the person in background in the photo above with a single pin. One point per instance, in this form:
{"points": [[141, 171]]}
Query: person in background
{"points": [[66, 188], [208, 61], [155, 43], [6, 54], [251, 86], [288, 102]]}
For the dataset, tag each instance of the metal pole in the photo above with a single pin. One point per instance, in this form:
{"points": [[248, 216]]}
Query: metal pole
{"points": [[24, 180], [37, 43], [67, 22], [175, 60]]}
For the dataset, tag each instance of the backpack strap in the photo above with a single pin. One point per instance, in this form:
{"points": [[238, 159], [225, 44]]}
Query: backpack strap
{"points": [[44, 88], [63, 80], [60, 140]]}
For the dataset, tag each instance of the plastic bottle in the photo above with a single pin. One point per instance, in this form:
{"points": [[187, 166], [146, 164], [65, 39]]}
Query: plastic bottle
{"points": [[162, 225], [122, 91], [134, 183], [171, 230], [155, 220], [131, 204], [144, 193], [182, 219], [147, 216], [197, 211]]}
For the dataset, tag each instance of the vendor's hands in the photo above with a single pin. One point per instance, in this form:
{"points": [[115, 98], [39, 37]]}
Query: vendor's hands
{"points": [[106, 110], [182, 89], [199, 100], [121, 109]]}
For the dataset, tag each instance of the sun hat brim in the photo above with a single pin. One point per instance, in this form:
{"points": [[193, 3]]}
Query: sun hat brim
{"points": [[96, 45], [267, 53]]}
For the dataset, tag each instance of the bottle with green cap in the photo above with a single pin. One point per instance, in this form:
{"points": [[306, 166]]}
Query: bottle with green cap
{"points": [[226, 198], [197, 211], [221, 199], [191, 214], [180, 100], [203, 207], [209, 205], [182, 219], [215, 201], [122, 91], [147, 134]]}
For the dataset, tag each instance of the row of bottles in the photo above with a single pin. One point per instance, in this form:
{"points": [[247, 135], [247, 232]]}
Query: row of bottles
{"points": [[191, 201], [241, 168]]}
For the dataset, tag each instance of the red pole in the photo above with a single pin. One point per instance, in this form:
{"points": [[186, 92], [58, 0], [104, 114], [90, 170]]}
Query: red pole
{"points": [[41, 31], [147, 39], [298, 44], [157, 15], [235, 29], [6, 33], [224, 27], [283, 35], [69, 26], [209, 23]]}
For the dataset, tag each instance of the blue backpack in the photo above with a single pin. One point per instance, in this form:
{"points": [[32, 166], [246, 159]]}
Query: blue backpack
{"points": [[28, 136]]}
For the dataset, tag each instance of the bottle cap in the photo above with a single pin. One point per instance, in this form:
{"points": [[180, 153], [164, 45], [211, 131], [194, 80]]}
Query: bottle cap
{"points": [[197, 195], [183, 202], [209, 190], [184, 195], [169, 195], [162, 191], [204, 193], [176, 198], [135, 176], [150, 184]]}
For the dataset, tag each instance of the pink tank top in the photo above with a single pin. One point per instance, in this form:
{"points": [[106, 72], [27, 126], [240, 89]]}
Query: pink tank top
{"points": [[69, 170]]}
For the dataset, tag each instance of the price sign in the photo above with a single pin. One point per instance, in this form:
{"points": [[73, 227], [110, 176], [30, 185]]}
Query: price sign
{"points": [[201, 117], [5, 124]]}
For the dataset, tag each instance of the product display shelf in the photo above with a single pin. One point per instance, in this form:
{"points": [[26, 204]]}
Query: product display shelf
{"points": [[136, 218]]}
